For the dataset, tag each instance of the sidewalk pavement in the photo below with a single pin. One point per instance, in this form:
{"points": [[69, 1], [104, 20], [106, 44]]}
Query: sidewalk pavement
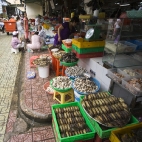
{"points": [[13, 81]]}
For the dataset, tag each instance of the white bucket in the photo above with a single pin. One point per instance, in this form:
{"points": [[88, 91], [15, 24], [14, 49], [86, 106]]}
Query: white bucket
{"points": [[43, 71]]}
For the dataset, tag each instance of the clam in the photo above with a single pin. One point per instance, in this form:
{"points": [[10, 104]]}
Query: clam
{"points": [[84, 85], [71, 121], [61, 82]]}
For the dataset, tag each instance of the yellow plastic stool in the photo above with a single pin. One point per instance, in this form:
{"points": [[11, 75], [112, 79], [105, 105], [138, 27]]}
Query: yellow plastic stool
{"points": [[63, 96]]}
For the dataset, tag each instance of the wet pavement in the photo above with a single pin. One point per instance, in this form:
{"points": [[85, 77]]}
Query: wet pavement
{"points": [[25, 108]]}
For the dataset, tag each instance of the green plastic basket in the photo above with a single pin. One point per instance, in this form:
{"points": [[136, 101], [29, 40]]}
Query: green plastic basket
{"points": [[68, 64], [80, 137], [59, 90], [87, 50], [67, 50], [106, 133]]}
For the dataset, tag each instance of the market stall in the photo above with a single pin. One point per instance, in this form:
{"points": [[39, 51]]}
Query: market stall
{"points": [[97, 83]]}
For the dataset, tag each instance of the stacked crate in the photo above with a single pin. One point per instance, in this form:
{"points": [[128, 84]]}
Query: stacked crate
{"points": [[67, 48], [86, 49]]}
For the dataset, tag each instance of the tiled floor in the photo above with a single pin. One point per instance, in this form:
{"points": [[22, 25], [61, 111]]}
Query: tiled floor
{"points": [[34, 100], [13, 83], [36, 135]]}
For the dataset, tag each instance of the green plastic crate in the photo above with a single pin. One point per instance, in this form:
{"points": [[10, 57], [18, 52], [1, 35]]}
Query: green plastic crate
{"points": [[55, 132], [87, 50], [68, 64], [67, 50], [106, 133], [86, 136]]}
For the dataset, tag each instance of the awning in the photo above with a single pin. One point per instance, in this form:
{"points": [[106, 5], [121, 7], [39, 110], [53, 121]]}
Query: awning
{"points": [[2, 3]]}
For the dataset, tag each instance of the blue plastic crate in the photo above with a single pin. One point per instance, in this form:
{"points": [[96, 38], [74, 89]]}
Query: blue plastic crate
{"points": [[137, 43], [128, 46]]}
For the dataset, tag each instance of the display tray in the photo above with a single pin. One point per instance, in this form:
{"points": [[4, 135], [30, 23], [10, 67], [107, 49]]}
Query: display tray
{"points": [[130, 72], [107, 110], [97, 83], [59, 90], [116, 74], [102, 123], [131, 88], [122, 86]]}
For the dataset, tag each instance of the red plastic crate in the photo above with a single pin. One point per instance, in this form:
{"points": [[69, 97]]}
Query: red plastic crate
{"points": [[88, 55]]}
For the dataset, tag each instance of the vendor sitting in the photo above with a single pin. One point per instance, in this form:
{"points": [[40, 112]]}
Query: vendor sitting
{"points": [[41, 33], [36, 42], [15, 42], [65, 30]]}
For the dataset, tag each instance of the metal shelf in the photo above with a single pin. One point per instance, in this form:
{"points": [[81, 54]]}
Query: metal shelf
{"points": [[118, 90]]}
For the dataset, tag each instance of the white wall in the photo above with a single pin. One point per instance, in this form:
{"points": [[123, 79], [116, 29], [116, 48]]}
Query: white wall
{"points": [[33, 10], [21, 8]]}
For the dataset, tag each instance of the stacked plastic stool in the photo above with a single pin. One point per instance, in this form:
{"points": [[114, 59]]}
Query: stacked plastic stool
{"points": [[64, 97], [56, 65], [58, 68]]}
